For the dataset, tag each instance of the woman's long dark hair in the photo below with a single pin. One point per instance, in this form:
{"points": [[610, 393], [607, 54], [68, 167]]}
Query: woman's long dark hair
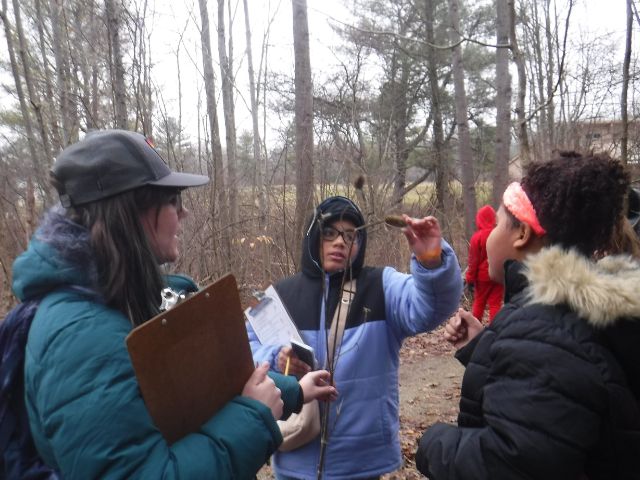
{"points": [[129, 277]]}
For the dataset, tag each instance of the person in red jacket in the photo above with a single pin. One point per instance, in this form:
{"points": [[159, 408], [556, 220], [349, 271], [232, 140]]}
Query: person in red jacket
{"points": [[485, 291]]}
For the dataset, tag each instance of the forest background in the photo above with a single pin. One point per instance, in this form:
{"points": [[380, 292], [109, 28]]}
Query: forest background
{"points": [[414, 106]]}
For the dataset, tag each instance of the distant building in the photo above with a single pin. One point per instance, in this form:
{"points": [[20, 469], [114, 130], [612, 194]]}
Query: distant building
{"points": [[605, 136], [597, 135]]}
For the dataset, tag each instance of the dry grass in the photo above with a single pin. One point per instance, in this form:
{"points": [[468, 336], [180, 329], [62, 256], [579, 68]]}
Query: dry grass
{"points": [[258, 255]]}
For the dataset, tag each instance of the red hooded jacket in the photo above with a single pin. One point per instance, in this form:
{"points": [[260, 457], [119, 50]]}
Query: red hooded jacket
{"points": [[478, 266]]}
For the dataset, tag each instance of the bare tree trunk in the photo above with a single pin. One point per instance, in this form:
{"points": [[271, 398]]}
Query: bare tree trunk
{"points": [[399, 126], [265, 77], [542, 142], [86, 65], [440, 157], [303, 117], [140, 75], [67, 102], [216, 147], [40, 162], [95, 96], [179, 79], [545, 50], [24, 109], [503, 101], [624, 140], [260, 174], [518, 58], [229, 116], [465, 153], [115, 64], [46, 72], [550, 109]]}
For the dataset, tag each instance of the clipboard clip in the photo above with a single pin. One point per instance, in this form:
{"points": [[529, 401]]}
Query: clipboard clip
{"points": [[263, 301], [258, 295], [170, 298]]}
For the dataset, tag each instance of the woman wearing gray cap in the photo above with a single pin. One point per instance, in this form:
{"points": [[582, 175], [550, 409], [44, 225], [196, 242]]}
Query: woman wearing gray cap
{"points": [[93, 266]]}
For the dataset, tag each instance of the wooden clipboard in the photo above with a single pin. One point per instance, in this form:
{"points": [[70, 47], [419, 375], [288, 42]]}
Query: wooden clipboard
{"points": [[192, 359]]}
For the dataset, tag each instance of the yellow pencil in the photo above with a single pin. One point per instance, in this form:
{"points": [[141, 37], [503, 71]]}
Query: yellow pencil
{"points": [[286, 368]]}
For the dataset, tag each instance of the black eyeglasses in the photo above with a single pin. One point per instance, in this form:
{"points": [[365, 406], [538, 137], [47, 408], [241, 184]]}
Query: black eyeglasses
{"points": [[176, 201], [330, 234]]}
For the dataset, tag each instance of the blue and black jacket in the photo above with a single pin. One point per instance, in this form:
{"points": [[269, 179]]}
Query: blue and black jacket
{"points": [[388, 307]]}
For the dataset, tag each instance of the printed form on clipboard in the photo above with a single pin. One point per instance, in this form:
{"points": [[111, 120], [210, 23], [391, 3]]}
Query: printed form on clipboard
{"points": [[272, 323]]}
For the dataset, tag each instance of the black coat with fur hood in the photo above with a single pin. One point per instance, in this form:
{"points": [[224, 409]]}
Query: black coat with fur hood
{"points": [[551, 388]]}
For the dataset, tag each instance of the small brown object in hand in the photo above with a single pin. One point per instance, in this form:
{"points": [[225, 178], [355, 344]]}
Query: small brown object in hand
{"points": [[395, 221]]}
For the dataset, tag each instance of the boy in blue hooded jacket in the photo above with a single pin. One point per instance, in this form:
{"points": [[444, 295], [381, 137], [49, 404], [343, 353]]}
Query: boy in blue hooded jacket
{"points": [[388, 307]]}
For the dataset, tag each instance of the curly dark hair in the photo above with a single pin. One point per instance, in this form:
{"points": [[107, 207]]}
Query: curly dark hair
{"points": [[578, 198]]}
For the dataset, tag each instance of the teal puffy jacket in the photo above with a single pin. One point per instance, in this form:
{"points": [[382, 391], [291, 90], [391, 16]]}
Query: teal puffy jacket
{"points": [[86, 413]]}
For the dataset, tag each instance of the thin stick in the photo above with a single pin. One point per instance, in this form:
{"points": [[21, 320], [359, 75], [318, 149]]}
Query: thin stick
{"points": [[389, 220], [332, 360]]}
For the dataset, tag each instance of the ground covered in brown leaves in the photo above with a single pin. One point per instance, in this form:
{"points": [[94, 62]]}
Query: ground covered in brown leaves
{"points": [[429, 392]]}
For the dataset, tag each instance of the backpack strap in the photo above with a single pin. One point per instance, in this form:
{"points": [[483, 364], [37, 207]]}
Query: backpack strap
{"points": [[339, 321]]}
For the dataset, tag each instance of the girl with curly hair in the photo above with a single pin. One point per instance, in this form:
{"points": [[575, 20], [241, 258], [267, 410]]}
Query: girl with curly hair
{"points": [[552, 387]]}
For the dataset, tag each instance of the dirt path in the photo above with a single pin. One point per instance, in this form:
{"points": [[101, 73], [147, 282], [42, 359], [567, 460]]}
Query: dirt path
{"points": [[429, 392], [430, 379]]}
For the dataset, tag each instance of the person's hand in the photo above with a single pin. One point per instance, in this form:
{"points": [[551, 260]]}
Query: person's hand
{"points": [[424, 237], [462, 328], [296, 366], [261, 387], [315, 386]]}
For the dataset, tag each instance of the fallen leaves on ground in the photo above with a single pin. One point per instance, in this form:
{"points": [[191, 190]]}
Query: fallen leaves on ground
{"points": [[442, 395], [425, 345], [445, 393]]}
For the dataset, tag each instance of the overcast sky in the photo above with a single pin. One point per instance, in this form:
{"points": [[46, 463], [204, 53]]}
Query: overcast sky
{"points": [[172, 19], [590, 17]]}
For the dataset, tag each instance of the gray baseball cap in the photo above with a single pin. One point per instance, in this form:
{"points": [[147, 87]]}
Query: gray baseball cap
{"points": [[108, 162]]}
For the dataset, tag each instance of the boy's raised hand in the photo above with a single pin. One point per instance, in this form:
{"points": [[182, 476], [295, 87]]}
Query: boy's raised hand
{"points": [[422, 233], [424, 236]]}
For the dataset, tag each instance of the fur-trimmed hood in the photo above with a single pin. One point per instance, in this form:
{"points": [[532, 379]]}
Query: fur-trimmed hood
{"points": [[600, 292]]}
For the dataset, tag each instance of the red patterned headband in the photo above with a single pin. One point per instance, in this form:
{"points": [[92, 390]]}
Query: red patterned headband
{"points": [[519, 205]]}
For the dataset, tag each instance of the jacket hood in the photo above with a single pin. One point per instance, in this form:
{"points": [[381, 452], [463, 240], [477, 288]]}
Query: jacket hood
{"points": [[59, 254], [600, 292], [331, 210], [486, 218]]}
